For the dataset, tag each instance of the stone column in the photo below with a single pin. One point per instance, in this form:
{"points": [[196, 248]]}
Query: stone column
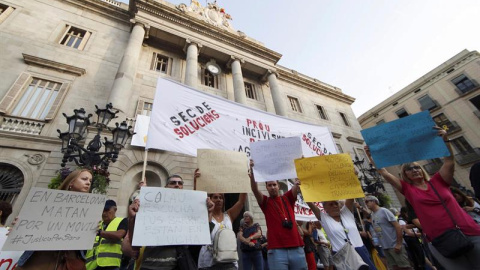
{"points": [[191, 72], [238, 84], [122, 89], [276, 94]]}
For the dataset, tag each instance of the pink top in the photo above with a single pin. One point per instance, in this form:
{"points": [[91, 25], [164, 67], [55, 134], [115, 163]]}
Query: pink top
{"points": [[430, 212]]}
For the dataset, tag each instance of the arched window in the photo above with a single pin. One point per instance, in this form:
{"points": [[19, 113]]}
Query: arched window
{"points": [[11, 182]]}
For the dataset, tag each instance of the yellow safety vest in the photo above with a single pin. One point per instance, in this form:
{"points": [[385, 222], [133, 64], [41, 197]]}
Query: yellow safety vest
{"points": [[105, 252]]}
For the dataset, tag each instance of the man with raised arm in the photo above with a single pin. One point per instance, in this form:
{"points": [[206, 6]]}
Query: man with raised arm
{"points": [[285, 246]]}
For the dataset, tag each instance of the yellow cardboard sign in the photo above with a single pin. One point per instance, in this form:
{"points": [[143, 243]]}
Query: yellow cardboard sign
{"points": [[328, 178]]}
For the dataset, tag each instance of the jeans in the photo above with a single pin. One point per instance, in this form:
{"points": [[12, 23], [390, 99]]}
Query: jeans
{"points": [[252, 258], [287, 259]]}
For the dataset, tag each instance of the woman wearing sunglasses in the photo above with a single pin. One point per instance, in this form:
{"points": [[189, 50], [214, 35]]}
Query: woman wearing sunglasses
{"points": [[421, 192]]}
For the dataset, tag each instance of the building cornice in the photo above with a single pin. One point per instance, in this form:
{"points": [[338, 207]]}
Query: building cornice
{"points": [[314, 86], [104, 8], [45, 63], [175, 16], [29, 138], [429, 78]]}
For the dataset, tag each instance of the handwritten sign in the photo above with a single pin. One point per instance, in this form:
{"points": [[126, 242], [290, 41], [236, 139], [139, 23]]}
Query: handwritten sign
{"points": [[328, 178], [274, 158], [50, 219], [170, 216], [407, 139], [8, 259], [223, 171]]}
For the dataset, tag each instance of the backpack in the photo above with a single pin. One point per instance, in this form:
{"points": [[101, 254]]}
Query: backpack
{"points": [[225, 246]]}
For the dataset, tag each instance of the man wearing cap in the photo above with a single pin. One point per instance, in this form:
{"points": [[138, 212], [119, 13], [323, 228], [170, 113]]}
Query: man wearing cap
{"points": [[107, 250], [389, 234]]}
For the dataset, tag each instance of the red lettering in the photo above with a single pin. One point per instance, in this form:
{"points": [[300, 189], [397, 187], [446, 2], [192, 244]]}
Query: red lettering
{"points": [[267, 128], [252, 140], [215, 114], [178, 132], [198, 121], [191, 131], [254, 124], [185, 131], [249, 122], [260, 126], [194, 125], [9, 263]]}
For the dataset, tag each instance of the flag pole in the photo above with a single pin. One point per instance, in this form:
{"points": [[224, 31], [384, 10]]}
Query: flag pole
{"points": [[145, 165]]}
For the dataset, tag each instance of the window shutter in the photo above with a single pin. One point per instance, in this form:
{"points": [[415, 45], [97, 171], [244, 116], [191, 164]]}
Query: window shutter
{"points": [[140, 105], [16, 89]]}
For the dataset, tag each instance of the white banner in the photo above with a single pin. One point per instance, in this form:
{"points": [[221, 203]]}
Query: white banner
{"points": [[51, 218], [8, 259], [141, 130], [184, 120], [169, 216]]}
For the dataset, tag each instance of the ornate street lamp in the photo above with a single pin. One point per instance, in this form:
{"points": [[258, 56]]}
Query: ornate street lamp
{"points": [[369, 176], [92, 156]]}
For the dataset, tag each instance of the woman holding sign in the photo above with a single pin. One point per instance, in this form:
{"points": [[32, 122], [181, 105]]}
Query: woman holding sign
{"points": [[438, 212], [77, 181], [221, 219]]}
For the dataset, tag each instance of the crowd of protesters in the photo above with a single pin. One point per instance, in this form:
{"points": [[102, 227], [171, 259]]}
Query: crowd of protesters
{"points": [[350, 234]]}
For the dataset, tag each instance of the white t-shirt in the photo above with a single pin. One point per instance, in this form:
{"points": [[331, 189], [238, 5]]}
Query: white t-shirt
{"points": [[335, 231], [205, 259]]}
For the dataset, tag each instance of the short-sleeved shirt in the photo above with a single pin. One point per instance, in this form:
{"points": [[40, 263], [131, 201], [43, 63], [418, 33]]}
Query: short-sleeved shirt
{"points": [[275, 213], [385, 231], [336, 232], [430, 212]]}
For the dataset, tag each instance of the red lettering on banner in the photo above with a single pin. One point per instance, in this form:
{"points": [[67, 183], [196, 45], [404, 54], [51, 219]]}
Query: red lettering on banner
{"points": [[196, 124], [9, 261]]}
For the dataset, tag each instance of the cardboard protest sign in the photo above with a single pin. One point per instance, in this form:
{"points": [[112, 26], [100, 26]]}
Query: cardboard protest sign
{"points": [[274, 158], [328, 178], [50, 219], [223, 171], [169, 216], [407, 139], [8, 259], [184, 120]]}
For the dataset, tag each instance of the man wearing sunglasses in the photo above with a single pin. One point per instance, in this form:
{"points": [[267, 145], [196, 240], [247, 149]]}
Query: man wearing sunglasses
{"points": [[160, 257]]}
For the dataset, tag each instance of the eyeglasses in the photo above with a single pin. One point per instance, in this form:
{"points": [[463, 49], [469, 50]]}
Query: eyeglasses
{"points": [[416, 167], [180, 183]]}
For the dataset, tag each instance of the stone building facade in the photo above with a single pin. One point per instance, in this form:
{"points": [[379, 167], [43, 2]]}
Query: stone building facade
{"points": [[451, 92], [82, 53]]}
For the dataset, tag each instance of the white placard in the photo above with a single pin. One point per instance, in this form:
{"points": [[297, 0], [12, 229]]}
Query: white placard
{"points": [[184, 120], [274, 159], [141, 131], [170, 216], [8, 259], [56, 219]]}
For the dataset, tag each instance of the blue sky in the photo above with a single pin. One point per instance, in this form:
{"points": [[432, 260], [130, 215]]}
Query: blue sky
{"points": [[370, 49]]}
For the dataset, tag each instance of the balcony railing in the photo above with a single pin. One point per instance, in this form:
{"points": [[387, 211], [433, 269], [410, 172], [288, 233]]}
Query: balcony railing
{"points": [[432, 167], [19, 125], [468, 157]]}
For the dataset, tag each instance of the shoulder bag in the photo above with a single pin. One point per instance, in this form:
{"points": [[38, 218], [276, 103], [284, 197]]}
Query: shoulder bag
{"points": [[451, 243], [347, 257]]}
